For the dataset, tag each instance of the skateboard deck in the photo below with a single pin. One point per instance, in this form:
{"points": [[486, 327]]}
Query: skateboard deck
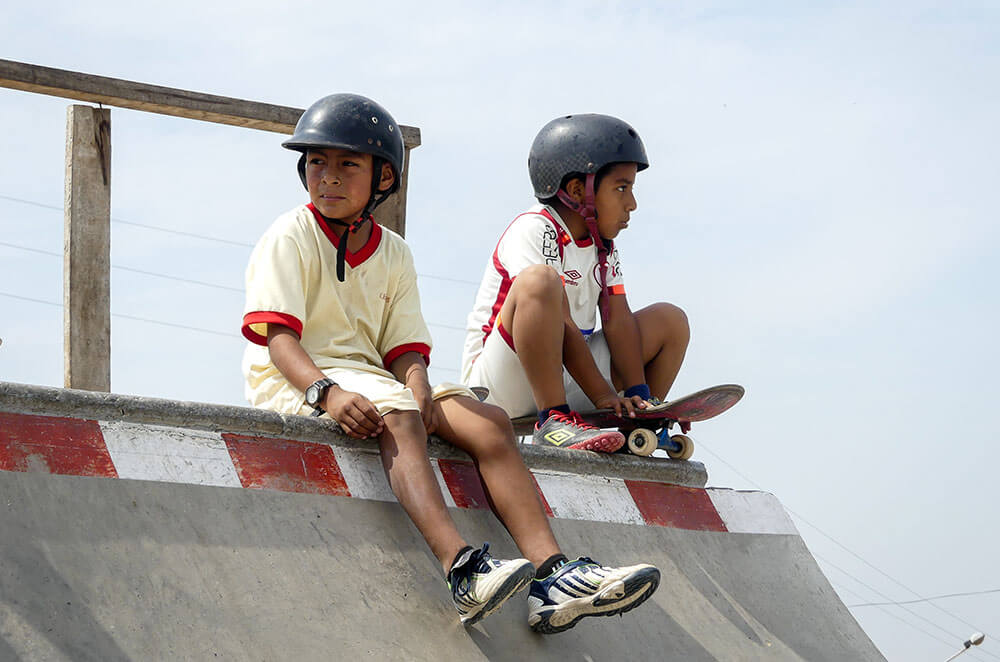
{"points": [[650, 429]]}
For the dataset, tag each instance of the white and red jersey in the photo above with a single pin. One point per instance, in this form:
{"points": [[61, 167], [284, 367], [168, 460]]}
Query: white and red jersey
{"points": [[539, 236]]}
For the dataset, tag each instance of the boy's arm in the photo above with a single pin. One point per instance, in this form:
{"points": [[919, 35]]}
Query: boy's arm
{"points": [[354, 412], [622, 334], [410, 369], [580, 364]]}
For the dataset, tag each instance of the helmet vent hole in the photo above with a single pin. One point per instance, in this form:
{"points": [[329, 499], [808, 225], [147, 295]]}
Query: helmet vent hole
{"points": [[374, 120], [391, 128], [631, 132], [378, 142], [370, 141], [568, 117]]}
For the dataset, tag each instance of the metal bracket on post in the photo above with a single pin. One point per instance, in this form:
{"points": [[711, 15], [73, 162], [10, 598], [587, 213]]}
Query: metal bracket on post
{"points": [[87, 250]]}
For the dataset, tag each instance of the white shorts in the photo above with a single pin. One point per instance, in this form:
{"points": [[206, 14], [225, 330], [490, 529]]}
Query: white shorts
{"points": [[386, 394], [498, 369]]}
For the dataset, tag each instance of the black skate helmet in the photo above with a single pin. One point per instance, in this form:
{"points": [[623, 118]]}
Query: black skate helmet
{"points": [[354, 122], [580, 144], [583, 144]]}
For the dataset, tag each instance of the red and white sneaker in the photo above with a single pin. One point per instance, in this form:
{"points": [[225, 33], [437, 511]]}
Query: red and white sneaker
{"points": [[570, 431]]}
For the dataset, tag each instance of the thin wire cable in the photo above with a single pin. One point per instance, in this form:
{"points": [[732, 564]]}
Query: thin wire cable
{"points": [[927, 620], [842, 546], [179, 279], [170, 324], [936, 597], [907, 609], [195, 235], [844, 589]]}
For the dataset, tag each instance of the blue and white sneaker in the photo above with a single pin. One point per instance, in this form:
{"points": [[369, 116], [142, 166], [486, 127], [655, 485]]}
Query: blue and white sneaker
{"points": [[481, 584], [583, 588]]}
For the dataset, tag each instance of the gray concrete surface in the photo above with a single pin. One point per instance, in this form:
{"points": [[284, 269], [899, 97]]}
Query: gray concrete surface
{"points": [[104, 569], [47, 401]]}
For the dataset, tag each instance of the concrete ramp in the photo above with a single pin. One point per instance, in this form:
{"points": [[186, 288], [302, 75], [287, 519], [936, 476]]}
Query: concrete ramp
{"points": [[124, 539]]}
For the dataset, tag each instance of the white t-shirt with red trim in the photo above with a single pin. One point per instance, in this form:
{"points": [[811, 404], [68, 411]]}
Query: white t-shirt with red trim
{"points": [[363, 323], [539, 236]]}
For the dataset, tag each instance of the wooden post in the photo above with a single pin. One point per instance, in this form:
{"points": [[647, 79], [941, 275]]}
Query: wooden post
{"points": [[87, 250], [392, 213]]}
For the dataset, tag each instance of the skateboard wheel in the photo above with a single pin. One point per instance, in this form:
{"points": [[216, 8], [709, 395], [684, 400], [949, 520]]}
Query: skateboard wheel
{"points": [[642, 442], [686, 449]]}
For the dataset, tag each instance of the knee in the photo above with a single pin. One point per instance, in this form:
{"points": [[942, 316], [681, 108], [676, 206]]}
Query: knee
{"points": [[497, 437], [674, 323], [539, 280]]}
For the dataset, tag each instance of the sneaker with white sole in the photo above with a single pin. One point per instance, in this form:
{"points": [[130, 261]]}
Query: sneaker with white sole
{"points": [[583, 588], [570, 431], [480, 584]]}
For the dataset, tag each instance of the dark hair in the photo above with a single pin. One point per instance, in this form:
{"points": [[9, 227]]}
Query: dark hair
{"points": [[598, 176]]}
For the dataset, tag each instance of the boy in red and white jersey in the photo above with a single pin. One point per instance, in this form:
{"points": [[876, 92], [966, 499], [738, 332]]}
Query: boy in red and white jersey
{"points": [[531, 337]]}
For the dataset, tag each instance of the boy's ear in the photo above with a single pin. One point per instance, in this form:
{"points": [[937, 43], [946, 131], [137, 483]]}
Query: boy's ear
{"points": [[576, 189], [388, 178]]}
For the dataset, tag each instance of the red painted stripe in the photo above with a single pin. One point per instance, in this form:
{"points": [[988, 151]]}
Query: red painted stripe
{"points": [[545, 502], [53, 445], [675, 506], [288, 466], [463, 482]]}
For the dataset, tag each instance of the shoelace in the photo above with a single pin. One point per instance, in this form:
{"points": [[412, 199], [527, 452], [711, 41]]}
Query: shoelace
{"points": [[474, 560], [573, 419]]}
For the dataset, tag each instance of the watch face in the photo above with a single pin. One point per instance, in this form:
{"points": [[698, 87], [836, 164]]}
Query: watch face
{"points": [[312, 395]]}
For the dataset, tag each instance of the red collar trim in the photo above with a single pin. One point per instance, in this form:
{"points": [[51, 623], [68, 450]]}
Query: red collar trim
{"points": [[353, 259]]}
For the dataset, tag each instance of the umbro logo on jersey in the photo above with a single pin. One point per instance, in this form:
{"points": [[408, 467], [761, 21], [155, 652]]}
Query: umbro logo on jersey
{"points": [[558, 437], [574, 274]]}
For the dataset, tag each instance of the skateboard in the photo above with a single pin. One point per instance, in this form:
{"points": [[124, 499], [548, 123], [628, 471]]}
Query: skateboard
{"points": [[650, 429]]}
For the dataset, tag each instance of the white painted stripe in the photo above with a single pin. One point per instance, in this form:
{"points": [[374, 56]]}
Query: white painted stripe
{"points": [[751, 512], [593, 498], [363, 474], [174, 455], [449, 500]]}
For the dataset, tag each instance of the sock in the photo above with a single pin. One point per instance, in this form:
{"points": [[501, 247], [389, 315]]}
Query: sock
{"points": [[544, 414], [549, 565], [642, 390]]}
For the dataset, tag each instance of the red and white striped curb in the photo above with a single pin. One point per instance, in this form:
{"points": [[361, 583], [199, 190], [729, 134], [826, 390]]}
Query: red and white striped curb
{"points": [[116, 449]]}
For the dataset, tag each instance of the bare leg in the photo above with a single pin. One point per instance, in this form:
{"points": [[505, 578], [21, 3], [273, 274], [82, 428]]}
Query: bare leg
{"points": [[403, 445], [485, 433], [664, 335], [533, 314]]}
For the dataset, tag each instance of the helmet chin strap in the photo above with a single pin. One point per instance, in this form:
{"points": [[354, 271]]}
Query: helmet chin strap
{"points": [[366, 215], [588, 210]]}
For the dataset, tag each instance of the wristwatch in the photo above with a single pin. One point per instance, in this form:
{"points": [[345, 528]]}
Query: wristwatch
{"points": [[315, 393]]}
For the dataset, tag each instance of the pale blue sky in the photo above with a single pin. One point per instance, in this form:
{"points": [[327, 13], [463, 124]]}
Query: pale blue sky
{"points": [[822, 201]]}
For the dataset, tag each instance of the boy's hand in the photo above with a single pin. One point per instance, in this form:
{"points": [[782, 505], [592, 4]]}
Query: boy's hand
{"points": [[622, 406], [354, 412], [428, 412]]}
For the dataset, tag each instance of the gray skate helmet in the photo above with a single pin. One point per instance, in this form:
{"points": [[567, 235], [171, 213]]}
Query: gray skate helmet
{"points": [[349, 121], [354, 122], [580, 144]]}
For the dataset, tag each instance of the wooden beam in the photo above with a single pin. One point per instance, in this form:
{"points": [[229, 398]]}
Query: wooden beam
{"points": [[87, 250], [157, 99]]}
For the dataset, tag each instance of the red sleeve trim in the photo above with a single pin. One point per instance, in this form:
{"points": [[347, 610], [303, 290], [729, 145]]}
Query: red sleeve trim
{"points": [[268, 317], [616, 289], [418, 347]]}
